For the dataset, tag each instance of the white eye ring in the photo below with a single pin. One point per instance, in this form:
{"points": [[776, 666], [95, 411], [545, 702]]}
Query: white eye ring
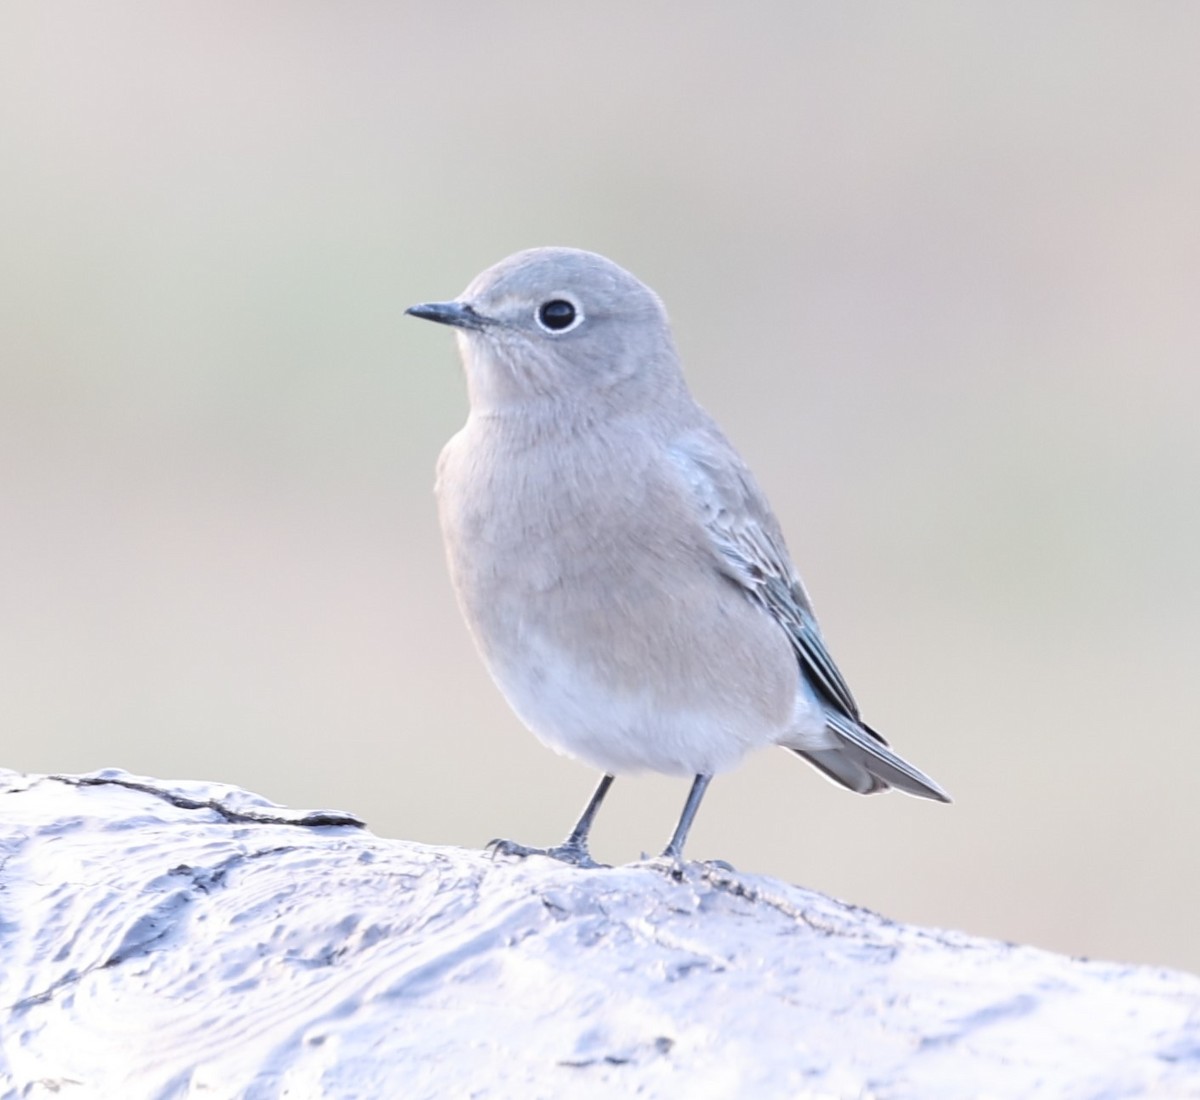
{"points": [[558, 314]]}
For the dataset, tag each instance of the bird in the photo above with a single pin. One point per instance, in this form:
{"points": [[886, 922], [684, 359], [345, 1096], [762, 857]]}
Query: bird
{"points": [[618, 567]]}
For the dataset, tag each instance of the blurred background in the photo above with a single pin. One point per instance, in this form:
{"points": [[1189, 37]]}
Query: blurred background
{"points": [[934, 267]]}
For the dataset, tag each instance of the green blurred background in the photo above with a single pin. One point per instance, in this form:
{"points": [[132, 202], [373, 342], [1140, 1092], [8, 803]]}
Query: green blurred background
{"points": [[935, 267]]}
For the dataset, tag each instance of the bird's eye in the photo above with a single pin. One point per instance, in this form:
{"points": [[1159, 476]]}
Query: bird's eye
{"points": [[557, 315]]}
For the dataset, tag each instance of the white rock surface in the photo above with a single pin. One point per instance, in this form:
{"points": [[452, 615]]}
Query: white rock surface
{"points": [[183, 939]]}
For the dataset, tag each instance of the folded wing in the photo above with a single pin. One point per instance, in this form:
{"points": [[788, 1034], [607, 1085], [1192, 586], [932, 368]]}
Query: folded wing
{"points": [[750, 551]]}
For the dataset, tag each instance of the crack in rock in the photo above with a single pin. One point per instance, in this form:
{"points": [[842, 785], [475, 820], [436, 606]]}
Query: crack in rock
{"points": [[315, 819], [659, 1047]]}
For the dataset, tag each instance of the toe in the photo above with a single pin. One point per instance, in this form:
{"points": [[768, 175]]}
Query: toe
{"points": [[501, 847]]}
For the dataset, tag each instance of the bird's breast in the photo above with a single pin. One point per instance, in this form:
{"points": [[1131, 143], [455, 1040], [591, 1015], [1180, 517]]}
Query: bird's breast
{"points": [[542, 526]]}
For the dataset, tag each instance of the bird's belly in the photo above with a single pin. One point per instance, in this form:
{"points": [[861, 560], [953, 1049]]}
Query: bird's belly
{"points": [[621, 727]]}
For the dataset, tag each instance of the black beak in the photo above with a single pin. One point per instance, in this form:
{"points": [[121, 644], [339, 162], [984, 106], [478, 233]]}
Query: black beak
{"points": [[458, 314]]}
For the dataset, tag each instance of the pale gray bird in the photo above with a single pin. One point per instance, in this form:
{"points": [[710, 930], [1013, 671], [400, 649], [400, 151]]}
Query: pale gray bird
{"points": [[620, 570]]}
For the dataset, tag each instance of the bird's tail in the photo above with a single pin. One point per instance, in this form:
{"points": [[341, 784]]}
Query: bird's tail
{"points": [[862, 761]]}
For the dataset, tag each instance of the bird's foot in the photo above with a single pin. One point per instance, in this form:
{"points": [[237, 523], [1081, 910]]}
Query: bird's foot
{"points": [[575, 854], [676, 866], [670, 863]]}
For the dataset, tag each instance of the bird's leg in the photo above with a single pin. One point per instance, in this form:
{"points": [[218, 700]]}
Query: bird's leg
{"points": [[574, 849], [674, 850]]}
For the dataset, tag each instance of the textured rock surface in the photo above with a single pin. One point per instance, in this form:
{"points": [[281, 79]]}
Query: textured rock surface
{"points": [[163, 939]]}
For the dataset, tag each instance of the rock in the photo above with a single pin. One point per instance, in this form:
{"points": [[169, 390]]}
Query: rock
{"points": [[185, 939]]}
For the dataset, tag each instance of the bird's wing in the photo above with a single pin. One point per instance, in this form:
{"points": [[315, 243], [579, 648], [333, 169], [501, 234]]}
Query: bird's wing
{"points": [[750, 551], [748, 548]]}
